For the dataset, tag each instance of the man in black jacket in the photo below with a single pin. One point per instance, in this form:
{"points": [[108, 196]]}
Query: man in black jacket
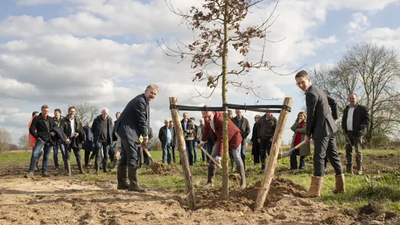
{"points": [[322, 128], [40, 129], [133, 129], [244, 127], [59, 145], [72, 128], [354, 123], [165, 136], [102, 129], [255, 150]]}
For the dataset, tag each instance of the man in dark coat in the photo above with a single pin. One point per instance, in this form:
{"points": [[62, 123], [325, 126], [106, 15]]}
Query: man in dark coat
{"points": [[354, 123], [173, 144], [322, 128], [88, 145], [255, 150], [102, 129], [133, 129], [40, 129]]}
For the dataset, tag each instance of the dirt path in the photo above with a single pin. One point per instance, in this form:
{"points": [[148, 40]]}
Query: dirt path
{"points": [[61, 200]]}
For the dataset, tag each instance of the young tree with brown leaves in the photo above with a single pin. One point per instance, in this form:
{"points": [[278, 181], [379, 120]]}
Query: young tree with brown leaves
{"points": [[218, 24]]}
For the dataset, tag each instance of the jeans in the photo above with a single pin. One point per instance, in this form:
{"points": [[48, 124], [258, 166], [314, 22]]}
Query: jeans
{"points": [[37, 151], [173, 153], [105, 147], [166, 154], [203, 155], [195, 151], [55, 153], [68, 151], [189, 151]]}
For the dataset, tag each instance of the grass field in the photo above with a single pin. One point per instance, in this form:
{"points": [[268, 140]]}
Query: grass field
{"points": [[380, 183]]}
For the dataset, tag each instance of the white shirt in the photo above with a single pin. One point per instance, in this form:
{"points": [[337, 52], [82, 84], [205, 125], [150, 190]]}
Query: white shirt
{"points": [[350, 114], [72, 126]]}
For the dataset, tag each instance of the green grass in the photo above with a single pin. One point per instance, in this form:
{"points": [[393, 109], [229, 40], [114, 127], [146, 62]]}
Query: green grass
{"points": [[381, 187]]}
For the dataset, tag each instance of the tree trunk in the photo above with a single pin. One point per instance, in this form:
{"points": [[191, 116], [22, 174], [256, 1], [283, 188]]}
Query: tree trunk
{"points": [[225, 156]]}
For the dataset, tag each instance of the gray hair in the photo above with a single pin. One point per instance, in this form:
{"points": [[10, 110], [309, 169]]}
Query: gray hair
{"points": [[106, 110]]}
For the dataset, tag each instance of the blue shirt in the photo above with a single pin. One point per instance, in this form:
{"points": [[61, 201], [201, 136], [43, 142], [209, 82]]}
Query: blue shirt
{"points": [[169, 136]]}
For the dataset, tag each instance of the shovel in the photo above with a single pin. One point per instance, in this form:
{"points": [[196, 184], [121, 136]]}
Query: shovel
{"points": [[288, 153]]}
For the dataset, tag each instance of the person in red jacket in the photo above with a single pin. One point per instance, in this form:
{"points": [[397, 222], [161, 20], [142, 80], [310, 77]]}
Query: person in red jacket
{"points": [[213, 123]]}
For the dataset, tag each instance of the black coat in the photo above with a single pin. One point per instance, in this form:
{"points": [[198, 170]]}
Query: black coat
{"points": [[88, 145], [97, 129], [66, 126], [133, 121], [320, 122], [244, 127], [40, 128], [360, 120], [162, 134]]}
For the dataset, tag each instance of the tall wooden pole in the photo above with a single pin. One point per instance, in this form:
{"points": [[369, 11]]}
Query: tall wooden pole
{"points": [[273, 157], [182, 154]]}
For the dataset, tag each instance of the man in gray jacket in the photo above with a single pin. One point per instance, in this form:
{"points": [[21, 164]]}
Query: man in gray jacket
{"points": [[322, 128], [132, 127]]}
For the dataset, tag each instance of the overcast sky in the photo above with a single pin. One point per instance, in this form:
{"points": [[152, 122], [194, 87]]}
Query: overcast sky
{"points": [[105, 52]]}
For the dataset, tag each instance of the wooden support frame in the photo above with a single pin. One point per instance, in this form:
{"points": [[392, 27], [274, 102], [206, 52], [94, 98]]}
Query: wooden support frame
{"points": [[273, 157], [182, 153]]}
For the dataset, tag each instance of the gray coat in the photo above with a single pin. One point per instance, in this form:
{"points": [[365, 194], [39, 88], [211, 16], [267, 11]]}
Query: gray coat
{"points": [[133, 120], [320, 122]]}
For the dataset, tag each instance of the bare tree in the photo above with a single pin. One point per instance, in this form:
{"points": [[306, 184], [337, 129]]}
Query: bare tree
{"points": [[24, 142], [5, 140], [369, 71], [220, 35], [85, 112]]}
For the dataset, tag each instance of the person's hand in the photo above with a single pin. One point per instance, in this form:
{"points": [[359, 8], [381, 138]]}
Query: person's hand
{"points": [[259, 141], [144, 143], [76, 134], [307, 139], [200, 145], [52, 134], [67, 141], [218, 159]]}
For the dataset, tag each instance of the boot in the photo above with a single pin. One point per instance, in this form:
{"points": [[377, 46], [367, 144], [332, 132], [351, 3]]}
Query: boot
{"points": [[262, 168], [242, 177], [105, 167], [69, 168], [132, 175], [339, 184], [121, 177], [79, 162], [45, 174], [30, 175], [211, 175], [96, 166], [359, 169], [315, 188], [115, 163], [349, 168]]}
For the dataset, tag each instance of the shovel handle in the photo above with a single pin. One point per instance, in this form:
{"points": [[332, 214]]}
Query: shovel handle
{"points": [[212, 158]]}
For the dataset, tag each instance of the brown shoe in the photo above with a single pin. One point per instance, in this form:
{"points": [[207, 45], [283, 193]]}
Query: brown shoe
{"points": [[29, 175], [45, 174], [340, 185], [315, 188]]}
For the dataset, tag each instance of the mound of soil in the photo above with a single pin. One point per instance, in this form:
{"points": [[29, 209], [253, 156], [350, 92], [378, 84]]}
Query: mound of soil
{"points": [[244, 199], [158, 168]]}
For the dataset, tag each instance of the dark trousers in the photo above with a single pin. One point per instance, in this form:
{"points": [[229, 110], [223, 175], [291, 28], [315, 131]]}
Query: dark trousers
{"points": [[173, 153], [87, 157], [326, 147], [208, 147], [256, 152], [130, 152], [265, 148], [355, 141], [68, 150], [293, 160], [99, 147], [189, 151]]}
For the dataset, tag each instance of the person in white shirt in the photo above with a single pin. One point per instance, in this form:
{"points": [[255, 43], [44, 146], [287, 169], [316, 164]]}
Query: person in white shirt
{"points": [[355, 122]]}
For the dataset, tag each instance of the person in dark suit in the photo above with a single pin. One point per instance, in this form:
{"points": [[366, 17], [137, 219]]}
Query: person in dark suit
{"points": [[173, 144], [165, 136], [255, 149], [322, 128], [354, 123], [102, 129], [214, 124], [133, 129], [244, 127]]}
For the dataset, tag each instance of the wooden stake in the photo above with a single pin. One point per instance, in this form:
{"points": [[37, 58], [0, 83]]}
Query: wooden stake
{"points": [[208, 154], [182, 154], [273, 157]]}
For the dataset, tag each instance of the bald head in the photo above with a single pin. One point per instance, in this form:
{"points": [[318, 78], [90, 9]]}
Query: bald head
{"points": [[353, 99]]}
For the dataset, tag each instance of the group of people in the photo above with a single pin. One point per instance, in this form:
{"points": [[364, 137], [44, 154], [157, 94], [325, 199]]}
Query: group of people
{"points": [[131, 131]]}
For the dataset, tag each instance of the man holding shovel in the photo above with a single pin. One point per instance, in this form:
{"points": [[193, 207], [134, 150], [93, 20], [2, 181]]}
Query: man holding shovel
{"points": [[213, 123], [322, 128], [132, 124]]}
